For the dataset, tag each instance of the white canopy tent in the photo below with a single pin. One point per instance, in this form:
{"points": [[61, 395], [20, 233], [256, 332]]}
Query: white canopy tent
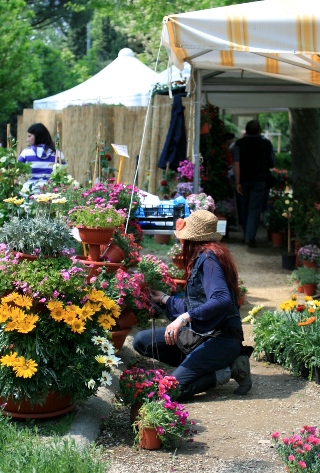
{"points": [[125, 81], [264, 54]]}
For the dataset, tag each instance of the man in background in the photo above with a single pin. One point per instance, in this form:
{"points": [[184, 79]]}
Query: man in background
{"points": [[253, 156]]}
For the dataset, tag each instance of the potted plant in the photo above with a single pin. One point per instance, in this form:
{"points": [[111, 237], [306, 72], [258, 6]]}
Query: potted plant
{"points": [[54, 337], [275, 221], [308, 278], [242, 292], [175, 254], [309, 255], [126, 290], [44, 234], [200, 201], [156, 274], [139, 384], [168, 418], [124, 241], [299, 451]]}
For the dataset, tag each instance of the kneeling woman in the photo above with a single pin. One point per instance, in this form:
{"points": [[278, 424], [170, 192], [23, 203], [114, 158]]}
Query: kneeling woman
{"points": [[209, 307]]}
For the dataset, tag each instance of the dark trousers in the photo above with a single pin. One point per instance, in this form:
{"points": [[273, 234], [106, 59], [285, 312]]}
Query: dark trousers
{"points": [[253, 195]]}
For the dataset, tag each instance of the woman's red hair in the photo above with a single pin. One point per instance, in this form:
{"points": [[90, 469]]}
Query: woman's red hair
{"points": [[192, 248]]}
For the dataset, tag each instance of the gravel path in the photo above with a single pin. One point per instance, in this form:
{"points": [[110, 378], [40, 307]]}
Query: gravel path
{"points": [[233, 431]]}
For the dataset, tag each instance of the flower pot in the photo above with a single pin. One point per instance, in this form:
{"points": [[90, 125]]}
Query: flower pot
{"points": [[178, 262], [119, 337], [289, 261], [25, 256], [162, 239], [134, 411], [127, 319], [270, 357], [317, 375], [241, 300], [94, 265], [95, 237], [204, 129], [149, 439], [310, 264], [309, 289], [304, 372], [300, 289], [277, 239], [112, 253], [54, 405]]}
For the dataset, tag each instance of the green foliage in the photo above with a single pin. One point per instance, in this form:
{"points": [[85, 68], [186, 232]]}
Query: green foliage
{"points": [[216, 156], [95, 217], [283, 161], [37, 236], [11, 176], [20, 70], [277, 123], [307, 275], [156, 274], [23, 450]]}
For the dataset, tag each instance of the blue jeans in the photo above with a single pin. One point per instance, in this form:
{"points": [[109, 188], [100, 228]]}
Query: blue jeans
{"points": [[253, 195], [196, 371]]}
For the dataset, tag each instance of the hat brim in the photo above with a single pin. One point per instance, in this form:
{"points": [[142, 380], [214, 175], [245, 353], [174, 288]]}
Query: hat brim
{"points": [[184, 234]]}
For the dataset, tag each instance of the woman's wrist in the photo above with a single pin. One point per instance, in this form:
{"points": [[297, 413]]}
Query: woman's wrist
{"points": [[164, 298]]}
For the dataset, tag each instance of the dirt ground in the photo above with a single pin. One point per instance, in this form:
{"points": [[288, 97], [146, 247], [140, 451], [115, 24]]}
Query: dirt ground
{"points": [[233, 431]]}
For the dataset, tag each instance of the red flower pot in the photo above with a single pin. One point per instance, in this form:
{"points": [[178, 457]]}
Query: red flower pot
{"points": [[309, 289], [54, 405], [277, 239], [119, 337], [149, 439], [310, 264]]}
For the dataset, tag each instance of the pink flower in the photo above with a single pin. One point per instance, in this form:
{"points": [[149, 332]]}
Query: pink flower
{"points": [[275, 435], [291, 458], [302, 464]]}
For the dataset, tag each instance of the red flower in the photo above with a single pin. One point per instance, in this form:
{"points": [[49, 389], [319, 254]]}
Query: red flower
{"points": [[163, 182]]}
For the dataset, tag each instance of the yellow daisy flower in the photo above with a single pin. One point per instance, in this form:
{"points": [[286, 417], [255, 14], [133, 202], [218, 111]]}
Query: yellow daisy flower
{"points": [[9, 360], [11, 325], [101, 359], [106, 322], [308, 298], [24, 368], [77, 326], [58, 313], [69, 317], [55, 305], [23, 301], [87, 310], [25, 327]]}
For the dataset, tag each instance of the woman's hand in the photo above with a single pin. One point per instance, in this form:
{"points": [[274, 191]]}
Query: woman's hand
{"points": [[172, 330], [157, 296]]}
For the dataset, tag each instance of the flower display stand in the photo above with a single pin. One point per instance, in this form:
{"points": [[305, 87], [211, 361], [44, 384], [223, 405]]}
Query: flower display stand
{"points": [[112, 253], [149, 439], [53, 406], [95, 237]]}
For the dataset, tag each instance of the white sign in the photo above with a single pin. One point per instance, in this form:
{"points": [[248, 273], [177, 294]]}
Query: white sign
{"points": [[121, 150]]}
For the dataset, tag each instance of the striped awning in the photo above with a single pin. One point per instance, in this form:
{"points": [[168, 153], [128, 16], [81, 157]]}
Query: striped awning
{"points": [[276, 38]]}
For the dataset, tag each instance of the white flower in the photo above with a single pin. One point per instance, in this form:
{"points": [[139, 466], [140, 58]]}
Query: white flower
{"points": [[111, 360], [106, 378], [107, 347], [99, 340], [91, 384]]}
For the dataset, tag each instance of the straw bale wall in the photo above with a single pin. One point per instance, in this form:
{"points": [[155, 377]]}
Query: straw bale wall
{"points": [[80, 126]]}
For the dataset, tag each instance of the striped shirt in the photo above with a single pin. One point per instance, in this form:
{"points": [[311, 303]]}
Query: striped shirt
{"points": [[41, 159]]}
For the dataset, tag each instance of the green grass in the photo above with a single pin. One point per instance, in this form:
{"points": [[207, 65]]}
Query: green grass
{"points": [[149, 246], [57, 426], [24, 450]]}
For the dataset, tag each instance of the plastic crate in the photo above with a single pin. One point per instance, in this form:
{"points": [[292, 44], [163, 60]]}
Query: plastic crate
{"points": [[159, 217]]}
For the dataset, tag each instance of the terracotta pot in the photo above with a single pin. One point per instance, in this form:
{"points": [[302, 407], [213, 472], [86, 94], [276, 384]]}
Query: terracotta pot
{"points": [[54, 405], [119, 337], [277, 239], [162, 239], [149, 439], [309, 289], [204, 129], [127, 319], [300, 289], [95, 237], [178, 262], [310, 264], [134, 411], [112, 253], [25, 256]]}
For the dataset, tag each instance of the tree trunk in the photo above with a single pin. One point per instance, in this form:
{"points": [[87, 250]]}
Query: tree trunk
{"points": [[305, 150]]}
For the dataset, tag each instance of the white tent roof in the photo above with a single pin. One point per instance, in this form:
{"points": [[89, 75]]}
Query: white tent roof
{"points": [[125, 81], [263, 54]]}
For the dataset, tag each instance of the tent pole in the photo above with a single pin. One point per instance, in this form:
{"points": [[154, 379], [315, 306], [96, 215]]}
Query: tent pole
{"points": [[196, 140]]}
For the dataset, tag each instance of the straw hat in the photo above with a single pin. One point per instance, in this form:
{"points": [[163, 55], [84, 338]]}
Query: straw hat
{"points": [[200, 226]]}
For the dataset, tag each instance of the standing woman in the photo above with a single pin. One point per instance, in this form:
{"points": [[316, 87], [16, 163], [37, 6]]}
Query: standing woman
{"points": [[209, 307], [41, 154]]}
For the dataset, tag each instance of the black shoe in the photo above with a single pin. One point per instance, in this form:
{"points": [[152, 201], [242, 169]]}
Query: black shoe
{"points": [[251, 243], [240, 371]]}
